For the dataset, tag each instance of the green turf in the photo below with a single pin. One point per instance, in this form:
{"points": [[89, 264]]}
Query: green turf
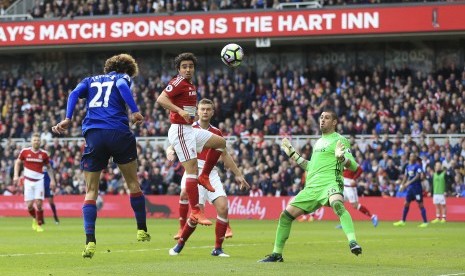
{"points": [[313, 249]]}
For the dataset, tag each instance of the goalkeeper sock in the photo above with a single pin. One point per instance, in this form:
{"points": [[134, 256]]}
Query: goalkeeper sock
{"points": [[282, 233], [138, 206], [345, 219]]}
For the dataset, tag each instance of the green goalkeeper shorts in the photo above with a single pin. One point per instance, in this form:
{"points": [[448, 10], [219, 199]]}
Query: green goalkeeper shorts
{"points": [[312, 198]]}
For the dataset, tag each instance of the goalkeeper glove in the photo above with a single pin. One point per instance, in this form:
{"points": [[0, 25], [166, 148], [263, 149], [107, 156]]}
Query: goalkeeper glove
{"points": [[339, 152], [290, 151]]}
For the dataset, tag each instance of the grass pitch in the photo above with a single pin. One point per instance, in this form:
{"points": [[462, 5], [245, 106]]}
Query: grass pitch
{"points": [[314, 248]]}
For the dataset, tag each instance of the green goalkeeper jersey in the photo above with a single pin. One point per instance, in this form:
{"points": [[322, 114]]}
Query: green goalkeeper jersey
{"points": [[323, 168]]}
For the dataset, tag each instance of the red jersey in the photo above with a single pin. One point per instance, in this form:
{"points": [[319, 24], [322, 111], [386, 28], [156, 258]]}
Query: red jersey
{"points": [[34, 162], [352, 175], [183, 94], [203, 155]]}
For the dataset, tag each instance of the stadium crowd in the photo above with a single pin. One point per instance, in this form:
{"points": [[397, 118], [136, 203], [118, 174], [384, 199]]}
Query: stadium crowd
{"points": [[71, 8], [382, 103]]}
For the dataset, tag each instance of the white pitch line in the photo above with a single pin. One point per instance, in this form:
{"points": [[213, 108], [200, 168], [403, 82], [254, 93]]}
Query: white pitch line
{"points": [[452, 274], [111, 251], [193, 247]]}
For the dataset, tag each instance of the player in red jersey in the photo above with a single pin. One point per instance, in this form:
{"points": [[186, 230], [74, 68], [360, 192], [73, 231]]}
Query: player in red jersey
{"points": [[180, 97], [218, 197], [350, 193], [34, 159]]}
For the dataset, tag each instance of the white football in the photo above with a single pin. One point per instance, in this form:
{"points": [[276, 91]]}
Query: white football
{"points": [[232, 55]]}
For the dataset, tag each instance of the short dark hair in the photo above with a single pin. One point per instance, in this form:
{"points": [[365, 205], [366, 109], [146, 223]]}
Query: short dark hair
{"points": [[122, 63], [182, 57], [332, 112]]}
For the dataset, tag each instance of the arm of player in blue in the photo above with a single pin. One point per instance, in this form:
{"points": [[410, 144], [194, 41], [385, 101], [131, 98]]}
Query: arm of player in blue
{"points": [[80, 89], [125, 92]]}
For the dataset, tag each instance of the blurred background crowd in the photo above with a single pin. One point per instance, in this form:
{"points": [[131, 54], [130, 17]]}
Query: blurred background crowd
{"points": [[391, 111], [49, 9]]}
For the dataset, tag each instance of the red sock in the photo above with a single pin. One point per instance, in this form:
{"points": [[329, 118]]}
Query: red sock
{"points": [[183, 210], [186, 232], [192, 192], [40, 217], [220, 230], [364, 210], [211, 160], [32, 212]]}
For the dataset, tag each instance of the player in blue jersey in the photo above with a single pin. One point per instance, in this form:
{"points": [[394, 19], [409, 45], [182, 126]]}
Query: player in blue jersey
{"points": [[412, 184], [48, 193], [107, 133]]}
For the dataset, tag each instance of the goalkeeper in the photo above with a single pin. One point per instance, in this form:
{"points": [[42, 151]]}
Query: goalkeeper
{"points": [[324, 184]]}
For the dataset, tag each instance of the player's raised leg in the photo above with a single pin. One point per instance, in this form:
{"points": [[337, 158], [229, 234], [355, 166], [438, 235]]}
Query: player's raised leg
{"points": [[218, 146]]}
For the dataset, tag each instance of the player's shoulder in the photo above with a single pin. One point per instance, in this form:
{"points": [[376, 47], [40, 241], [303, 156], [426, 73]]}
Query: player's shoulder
{"points": [[177, 81], [215, 130], [341, 137], [25, 150], [123, 76], [42, 151]]}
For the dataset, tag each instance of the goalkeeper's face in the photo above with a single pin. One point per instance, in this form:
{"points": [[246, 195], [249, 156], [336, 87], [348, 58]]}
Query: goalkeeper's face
{"points": [[327, 123]]}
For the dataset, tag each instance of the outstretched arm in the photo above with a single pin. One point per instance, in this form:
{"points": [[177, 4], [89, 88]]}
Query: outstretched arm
{"points": [[230, 164], [290, 151], [62, 126]]}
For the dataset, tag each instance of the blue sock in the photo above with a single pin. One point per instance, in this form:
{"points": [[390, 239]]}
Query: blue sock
{"points": [[423, 214], [138, 205], [404, 214], [89, 212]]}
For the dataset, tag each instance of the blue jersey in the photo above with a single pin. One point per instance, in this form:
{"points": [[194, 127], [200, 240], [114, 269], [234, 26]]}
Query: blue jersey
{"points": [[412, 171], [106, 98]]}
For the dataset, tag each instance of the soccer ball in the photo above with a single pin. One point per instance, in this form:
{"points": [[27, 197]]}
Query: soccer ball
{"points": [[232, 55]]}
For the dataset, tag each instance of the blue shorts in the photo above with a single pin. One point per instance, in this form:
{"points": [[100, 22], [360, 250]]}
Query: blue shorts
{"points": [[101, 144], [414, 195]]}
